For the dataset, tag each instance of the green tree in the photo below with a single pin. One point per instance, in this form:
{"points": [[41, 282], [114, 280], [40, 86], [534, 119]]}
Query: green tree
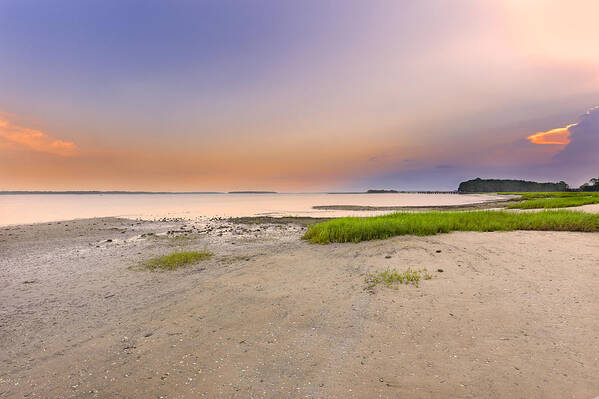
{"points": [[592, 185]]}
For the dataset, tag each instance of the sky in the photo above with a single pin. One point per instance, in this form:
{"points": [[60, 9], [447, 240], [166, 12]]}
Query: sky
{"points": [[310, 95]]}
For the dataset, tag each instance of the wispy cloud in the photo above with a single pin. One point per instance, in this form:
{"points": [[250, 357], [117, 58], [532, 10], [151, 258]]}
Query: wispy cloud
{"points": [[36, 140], [559, 136]]}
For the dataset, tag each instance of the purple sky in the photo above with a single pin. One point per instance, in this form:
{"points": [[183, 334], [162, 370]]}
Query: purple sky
{"points": [[295, 95]]}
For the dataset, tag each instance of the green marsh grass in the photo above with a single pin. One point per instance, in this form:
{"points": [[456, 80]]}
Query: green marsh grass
{"points": [[176, 260], [356, 229], [393, 278], [554, 200]]}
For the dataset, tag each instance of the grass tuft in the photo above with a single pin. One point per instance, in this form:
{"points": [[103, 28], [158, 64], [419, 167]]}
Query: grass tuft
{"points": [[356, 229], [175, 260], [393, 278]]}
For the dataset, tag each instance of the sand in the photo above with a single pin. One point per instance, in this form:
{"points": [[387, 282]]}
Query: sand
{"points": [[594, 208], [511, 315]]}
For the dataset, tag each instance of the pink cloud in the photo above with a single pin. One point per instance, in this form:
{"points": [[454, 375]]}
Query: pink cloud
{"points": [[559, 136], [19, 136]]}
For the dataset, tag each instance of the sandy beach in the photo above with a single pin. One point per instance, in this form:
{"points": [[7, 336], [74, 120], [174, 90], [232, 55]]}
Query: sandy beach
{"points": [[510, 315]]}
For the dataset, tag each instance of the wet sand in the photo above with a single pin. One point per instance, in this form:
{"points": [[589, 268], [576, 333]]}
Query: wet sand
{"points": [[491, 204], [511, 315]]}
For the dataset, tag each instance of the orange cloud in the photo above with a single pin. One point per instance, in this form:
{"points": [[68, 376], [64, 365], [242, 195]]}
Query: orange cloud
{"points": [[559, 136], [34, 139]]}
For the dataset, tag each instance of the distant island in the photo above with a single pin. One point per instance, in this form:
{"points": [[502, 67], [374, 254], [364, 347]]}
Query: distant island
{"points": [[253, 192], [381, 191], [479, 185]]}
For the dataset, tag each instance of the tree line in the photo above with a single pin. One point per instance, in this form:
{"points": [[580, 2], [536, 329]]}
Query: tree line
{"points": [[479, 185]]}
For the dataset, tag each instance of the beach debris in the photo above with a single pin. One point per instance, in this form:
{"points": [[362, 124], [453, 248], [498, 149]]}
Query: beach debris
{"points": [[440, 270], [438, 251]]}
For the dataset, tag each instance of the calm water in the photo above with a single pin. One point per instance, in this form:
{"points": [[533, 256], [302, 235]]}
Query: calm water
{"points": [[20, 209]]}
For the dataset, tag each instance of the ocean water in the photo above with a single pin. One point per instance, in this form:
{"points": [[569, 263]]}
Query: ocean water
{"points": [[37, 208]]}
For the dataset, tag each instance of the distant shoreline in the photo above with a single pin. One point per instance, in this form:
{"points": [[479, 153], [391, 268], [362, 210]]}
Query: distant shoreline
{"points": [[401, 192], [107, 192], [252, 192]]}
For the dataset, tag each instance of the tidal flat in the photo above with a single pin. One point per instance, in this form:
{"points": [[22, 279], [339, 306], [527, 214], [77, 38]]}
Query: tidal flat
{"points": [[504, 314]]}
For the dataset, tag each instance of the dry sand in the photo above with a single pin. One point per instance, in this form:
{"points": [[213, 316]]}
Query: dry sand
{"points": [[512, 315]]}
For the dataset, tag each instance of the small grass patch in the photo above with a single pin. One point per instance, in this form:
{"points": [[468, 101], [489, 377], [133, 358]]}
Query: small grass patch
{"points": [[554, 200], [356, 229], [175, 260], [393, 279]]}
